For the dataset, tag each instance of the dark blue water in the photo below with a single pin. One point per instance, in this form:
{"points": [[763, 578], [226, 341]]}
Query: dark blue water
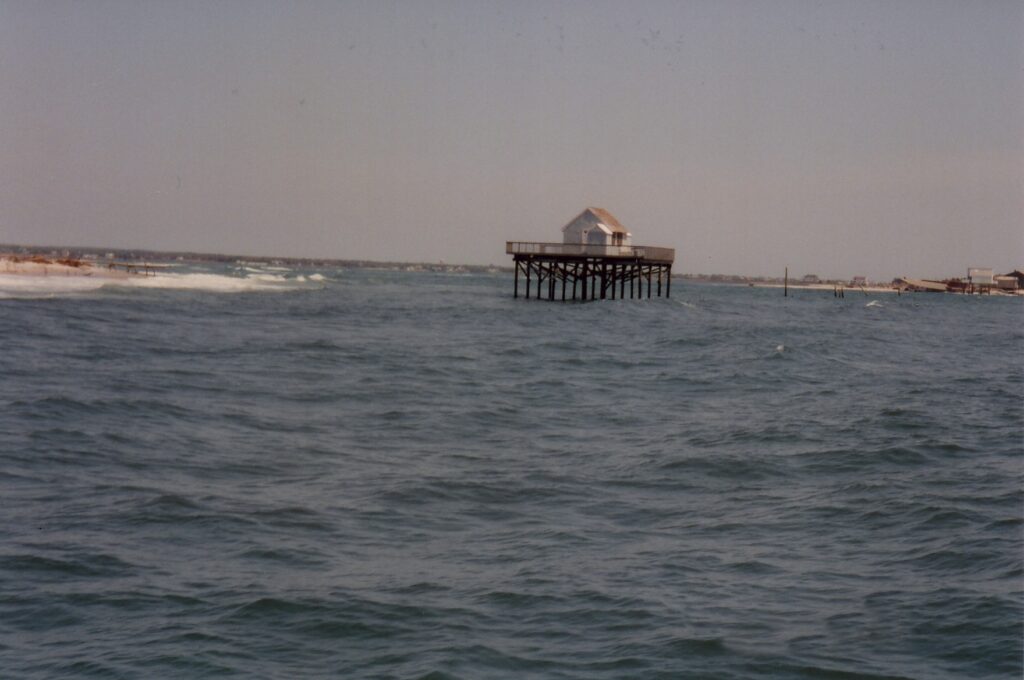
{"points": [[402, 475]]}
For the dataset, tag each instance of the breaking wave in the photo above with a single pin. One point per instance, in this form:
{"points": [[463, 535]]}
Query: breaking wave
{"points": [[32, 286]]}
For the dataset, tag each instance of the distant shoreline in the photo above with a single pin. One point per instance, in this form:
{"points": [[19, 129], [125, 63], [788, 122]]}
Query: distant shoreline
{"points": [[37, 265], [829, 287], [94, 254], [93, 258], [89, 253]]}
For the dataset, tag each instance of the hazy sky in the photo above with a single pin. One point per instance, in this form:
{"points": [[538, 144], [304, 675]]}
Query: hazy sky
{"points": [[838, 138]]}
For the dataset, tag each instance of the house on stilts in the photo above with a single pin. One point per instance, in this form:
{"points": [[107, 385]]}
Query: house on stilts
{"points": [[596, 260]]}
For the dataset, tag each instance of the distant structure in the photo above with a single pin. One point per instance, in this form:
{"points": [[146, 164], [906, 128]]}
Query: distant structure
{"points": [[596, 226], [919, 285], [981, 279], [1012, 281], [595, 261]]}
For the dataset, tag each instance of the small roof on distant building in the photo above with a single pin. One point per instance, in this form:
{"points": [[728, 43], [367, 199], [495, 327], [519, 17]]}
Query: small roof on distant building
{"points": [[601, 216]]}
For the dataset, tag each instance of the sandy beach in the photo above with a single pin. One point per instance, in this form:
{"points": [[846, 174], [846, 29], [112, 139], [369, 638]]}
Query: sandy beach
{"points": [[42, 266], [829, 287]]}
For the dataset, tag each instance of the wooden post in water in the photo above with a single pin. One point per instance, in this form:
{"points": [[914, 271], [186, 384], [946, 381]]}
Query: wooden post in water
{"points": [[668, 283], [515, 291], [785, 284]]}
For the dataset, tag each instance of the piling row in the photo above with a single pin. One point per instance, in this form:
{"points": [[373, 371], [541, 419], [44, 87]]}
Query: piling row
{"points": [[590, 278]]}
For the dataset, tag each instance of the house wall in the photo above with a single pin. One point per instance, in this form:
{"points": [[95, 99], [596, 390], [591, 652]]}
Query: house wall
{"points": [[585, 230], [597, 236]]}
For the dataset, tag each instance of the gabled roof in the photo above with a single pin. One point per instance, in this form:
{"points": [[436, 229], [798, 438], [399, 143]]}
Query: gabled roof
{"points": [[602, 216]]}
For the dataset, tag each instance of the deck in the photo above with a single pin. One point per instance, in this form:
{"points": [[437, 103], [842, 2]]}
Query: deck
{"points": [[651, 254]]}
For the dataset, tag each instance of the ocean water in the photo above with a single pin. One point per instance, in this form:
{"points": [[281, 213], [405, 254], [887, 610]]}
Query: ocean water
{"points": [[271, 473]]}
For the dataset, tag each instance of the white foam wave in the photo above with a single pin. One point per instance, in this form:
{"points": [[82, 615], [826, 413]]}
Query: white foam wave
{"points": [[267, 278], [17, 286], [22, 286], [210, 282]]}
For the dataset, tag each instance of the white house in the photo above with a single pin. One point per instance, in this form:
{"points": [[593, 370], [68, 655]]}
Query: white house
{"points": [[596, 226]]}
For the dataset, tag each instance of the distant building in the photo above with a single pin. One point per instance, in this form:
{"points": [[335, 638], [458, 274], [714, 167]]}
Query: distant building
{"points": [[595, 261], [1017, 275], [979, 276], [980, 280], [859, 281], [811, 278], [596, 226], [1008, 282]]}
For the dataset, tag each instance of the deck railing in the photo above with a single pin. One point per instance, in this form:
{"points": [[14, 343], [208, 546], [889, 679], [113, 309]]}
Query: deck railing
{"points": [[590, 250]]}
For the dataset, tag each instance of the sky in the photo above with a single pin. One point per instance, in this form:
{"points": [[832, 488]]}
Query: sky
{"points": [[840, 138]]}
